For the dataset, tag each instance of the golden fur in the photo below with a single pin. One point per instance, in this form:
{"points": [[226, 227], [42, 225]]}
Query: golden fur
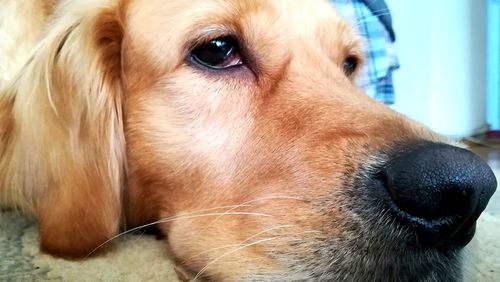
{"points": [[103, 122]]}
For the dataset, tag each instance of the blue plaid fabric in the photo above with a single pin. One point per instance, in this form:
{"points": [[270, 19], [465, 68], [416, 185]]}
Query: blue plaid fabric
{"points": [[381, 60]]}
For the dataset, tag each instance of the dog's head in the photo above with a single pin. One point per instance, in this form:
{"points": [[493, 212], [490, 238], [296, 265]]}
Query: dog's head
{"points": [[236, 126]]}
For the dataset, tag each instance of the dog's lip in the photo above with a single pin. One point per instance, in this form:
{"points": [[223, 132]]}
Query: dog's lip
{"points": [[429, 233]]}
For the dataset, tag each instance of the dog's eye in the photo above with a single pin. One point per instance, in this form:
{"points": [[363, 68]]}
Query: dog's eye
{"points": [[219, 53], [350, 65]]}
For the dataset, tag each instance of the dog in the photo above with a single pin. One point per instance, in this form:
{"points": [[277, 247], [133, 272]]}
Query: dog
{"points": [[233, 126]]}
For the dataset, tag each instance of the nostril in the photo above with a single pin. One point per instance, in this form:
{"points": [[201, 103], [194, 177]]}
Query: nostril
{"points": [[458, 200], [439, 188]]}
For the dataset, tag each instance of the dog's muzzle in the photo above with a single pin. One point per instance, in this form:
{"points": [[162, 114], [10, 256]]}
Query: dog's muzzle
{"points": [[437, 190]]}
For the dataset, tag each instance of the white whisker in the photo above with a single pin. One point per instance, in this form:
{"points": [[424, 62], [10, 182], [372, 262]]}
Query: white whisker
{"points": [[173, 219], [242, 242], [253, 201], [229, 253], [192, 215]]}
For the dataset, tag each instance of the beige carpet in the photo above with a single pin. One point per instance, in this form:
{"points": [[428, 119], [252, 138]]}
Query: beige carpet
{"points": [[143, 258], [135, 258]]}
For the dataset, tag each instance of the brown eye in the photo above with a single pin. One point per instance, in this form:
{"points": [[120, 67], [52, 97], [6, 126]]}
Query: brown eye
{"points": [[350, 65], [220, 53]]}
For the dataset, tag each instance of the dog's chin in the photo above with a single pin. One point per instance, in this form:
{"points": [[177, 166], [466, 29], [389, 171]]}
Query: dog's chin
{"points": [[429, 266], [374, 247]]}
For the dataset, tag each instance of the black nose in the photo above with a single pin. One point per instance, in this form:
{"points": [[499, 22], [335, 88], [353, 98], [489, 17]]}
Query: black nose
{"points": [[440, 191]]}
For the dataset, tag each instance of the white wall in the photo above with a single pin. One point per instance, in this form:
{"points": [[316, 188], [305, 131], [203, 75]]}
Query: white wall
{"points": [[442, 50], [494, 64]]}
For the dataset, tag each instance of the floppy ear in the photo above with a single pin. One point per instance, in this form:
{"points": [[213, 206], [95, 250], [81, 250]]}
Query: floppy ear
{"points": [[68, 144]]}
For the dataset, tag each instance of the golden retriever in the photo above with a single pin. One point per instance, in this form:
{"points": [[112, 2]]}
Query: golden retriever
{"points": [[236, 128]]}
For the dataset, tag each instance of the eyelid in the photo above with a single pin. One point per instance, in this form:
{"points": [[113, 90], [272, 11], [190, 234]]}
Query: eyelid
{"points": [[208, 34]]}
